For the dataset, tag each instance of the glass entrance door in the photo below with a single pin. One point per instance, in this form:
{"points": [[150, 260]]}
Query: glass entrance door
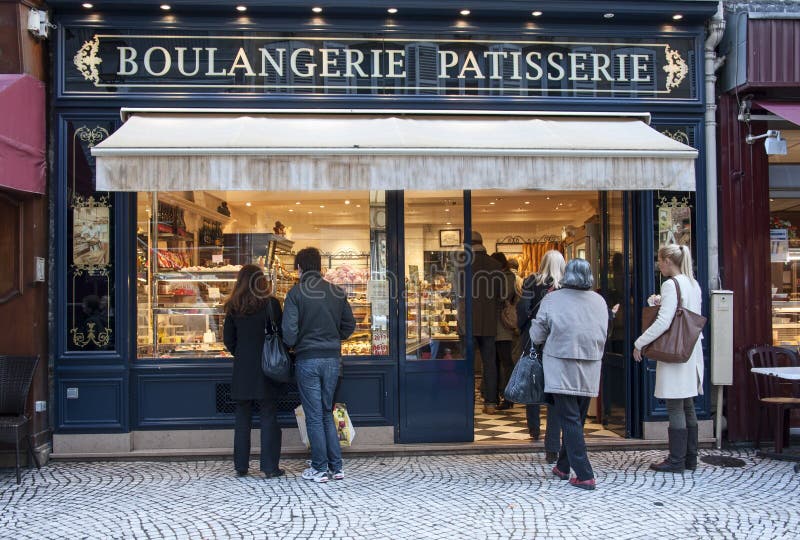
{"points": [[435, 380]]}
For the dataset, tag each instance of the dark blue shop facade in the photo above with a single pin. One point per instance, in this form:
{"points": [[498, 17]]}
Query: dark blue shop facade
{"points": [[144, 250]]}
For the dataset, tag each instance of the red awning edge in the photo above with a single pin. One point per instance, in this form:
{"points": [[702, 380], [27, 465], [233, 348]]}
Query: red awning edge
{"points": [[23, 164], [786, 110]]}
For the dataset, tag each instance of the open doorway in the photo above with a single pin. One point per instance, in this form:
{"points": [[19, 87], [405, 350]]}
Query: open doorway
{"points": [[523, 225]]}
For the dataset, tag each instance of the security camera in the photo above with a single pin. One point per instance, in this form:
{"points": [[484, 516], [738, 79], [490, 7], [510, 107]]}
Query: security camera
{"points": [[773, 144]]}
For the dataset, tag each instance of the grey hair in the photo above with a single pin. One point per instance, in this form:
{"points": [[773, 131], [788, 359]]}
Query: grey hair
{"points": [[578, 275]]}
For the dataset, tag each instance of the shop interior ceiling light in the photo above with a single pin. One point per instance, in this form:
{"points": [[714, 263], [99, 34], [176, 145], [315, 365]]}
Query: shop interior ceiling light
{"points": [[677, 17], [316, 9], [392, 10], [536, 13], [608, 15], [166, 7], [241, 8], [88, 5], [465, 12]]}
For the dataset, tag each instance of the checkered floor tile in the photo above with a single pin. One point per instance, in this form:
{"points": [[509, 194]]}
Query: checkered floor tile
{"points": [[511, 425]]}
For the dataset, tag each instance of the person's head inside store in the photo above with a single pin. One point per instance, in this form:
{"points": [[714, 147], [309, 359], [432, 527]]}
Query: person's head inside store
{"points": [[308, 260], [250, 293], [513, 265], [551, 269], [501, 258], [476, 241]]}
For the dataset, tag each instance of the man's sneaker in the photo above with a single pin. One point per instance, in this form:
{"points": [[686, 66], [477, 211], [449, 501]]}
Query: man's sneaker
{"points": [[338, 475], [314, 475]]}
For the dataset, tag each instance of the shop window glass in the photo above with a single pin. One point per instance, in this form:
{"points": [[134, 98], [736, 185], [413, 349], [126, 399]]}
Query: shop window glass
{"points": [[90, 246], [785, 271], [190, 246], [434, 256]]}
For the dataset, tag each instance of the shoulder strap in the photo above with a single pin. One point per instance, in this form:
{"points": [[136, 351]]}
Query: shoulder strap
{"points": [[678, 290], [270, 318]]}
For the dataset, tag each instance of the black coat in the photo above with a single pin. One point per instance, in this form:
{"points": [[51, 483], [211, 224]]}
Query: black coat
{"points": [[488, 284], [528, 306], [244, 338]]}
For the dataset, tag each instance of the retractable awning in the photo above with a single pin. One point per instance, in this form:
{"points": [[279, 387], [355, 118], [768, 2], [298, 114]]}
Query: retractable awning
{"points": [[160, 150], [786, 110], [23, 163]]}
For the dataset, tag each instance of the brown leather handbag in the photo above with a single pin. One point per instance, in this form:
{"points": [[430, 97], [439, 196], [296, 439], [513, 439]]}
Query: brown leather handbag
{"points": [[677, 343]]}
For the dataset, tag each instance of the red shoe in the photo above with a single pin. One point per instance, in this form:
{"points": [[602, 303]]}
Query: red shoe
{"points": [[583, 484], [561, 475]]}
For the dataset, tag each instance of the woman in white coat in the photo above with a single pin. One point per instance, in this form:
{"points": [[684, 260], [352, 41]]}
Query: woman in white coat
{"points": [[677, 384]]}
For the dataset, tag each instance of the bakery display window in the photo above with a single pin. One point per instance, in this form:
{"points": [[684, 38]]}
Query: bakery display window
{"points": [[785, 271], [191, 245]]}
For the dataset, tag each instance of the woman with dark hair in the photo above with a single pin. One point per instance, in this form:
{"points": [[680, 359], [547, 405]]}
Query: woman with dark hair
{"points": [[572, 322], [248, 311], [504, 340]]}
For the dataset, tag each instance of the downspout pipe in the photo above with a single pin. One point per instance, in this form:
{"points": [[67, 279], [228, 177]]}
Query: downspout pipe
{"points": [[716, 28]]}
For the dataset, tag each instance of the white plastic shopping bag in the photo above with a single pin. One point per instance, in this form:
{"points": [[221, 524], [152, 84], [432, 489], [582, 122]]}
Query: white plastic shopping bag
{"points": [[341, 419], [301, 425]]}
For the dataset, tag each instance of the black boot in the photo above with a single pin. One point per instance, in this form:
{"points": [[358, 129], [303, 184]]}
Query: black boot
{"points": [[691, 448], [676, 461]]}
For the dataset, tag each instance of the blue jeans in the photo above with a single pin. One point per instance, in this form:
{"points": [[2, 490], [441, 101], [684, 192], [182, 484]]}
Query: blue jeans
{"points": [[316, 381]]}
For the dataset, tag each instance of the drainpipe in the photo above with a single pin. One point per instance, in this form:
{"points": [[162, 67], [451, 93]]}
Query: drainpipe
{"points": [[716, 27]]}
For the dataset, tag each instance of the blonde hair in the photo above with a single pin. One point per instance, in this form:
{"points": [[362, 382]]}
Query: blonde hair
{"points": [[680, 255], [551, 268]]}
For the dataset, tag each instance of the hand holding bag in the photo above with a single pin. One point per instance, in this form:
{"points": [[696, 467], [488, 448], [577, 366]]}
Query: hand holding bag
{"points": [[526, 384], [677, 343], [275, 361]]}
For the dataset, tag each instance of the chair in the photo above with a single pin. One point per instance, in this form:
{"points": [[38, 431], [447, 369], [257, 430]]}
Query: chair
{"points": [[772, 393], [16, 374]]}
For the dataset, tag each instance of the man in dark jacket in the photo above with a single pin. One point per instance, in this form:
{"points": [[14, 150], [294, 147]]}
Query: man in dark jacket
{"points": [[488, 284], [316, 318]]}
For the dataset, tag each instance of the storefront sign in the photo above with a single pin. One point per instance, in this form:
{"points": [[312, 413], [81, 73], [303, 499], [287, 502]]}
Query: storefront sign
{"points": [[553, 66]]}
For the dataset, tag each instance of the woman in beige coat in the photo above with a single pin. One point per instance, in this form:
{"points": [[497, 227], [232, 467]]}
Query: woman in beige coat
{"points": [[677, 384]]}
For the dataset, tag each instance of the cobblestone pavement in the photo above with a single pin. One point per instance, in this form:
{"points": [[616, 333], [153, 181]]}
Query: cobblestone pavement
{"points": [[410, 497]]}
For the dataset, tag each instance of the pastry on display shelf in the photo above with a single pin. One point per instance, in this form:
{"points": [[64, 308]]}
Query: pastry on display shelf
{"points": [[200, 269]]}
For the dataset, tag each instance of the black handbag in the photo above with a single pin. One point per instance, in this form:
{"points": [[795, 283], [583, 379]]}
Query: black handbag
{"points": [[275, 361], [526, 384]]}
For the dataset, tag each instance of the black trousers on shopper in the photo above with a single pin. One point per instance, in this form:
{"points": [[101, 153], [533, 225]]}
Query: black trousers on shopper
{"points": [[571, 411], [505, 365], [486, 346], [270, 435]]}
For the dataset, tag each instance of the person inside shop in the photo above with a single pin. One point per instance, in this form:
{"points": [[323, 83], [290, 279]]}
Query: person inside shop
{"points": [[506, 331], [534, 288], [487, 301], [247, 312], [572, 323], [676, 383], [223, 209], [317, 318]]}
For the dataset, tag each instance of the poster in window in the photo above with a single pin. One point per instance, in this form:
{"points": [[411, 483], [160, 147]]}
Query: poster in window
{"points": [[90, 236], [675, 225], [779, 245]]}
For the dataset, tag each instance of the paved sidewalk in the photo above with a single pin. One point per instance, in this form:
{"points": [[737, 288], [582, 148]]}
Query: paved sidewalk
{"points": [[411, 497]]}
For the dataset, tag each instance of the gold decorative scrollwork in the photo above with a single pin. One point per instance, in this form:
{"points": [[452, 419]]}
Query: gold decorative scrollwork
{"points": [[676, 68], [91, 136], [100, 339], [677, 135], [90, 247], [86, 60]]}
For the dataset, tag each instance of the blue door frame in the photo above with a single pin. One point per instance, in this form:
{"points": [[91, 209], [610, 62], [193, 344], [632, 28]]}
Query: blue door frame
{"points": [[436, 398]]}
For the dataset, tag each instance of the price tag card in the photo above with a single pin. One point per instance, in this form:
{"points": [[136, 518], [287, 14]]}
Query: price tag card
{"points": [[217, 259]]}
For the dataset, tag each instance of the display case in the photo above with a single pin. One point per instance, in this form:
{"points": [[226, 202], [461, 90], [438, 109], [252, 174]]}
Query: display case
{"points": [[350, 270], [786, 299], [432, 320]]}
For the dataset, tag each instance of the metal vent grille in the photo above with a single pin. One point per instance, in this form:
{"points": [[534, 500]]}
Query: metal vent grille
{"points": [[225, 405]]}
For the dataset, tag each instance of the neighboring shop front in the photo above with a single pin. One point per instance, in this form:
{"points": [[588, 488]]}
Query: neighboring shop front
{"points": [[760, 190], [384, 141]]}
